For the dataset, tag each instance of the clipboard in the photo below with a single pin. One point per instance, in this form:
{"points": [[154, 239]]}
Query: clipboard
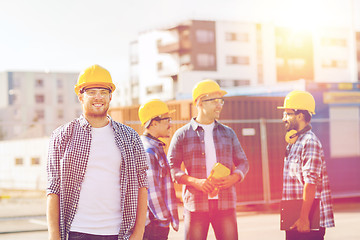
{"points": [[290, 212], [219, 171]]}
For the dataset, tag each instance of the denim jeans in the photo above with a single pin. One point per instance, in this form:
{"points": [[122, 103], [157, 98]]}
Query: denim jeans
{"points": [[86, 236], [155, 232], [312, 235], [223, 222]]}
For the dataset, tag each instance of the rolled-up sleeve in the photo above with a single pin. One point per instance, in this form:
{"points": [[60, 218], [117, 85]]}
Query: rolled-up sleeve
{"points": [[141, 163], [175, 156], [53, 166], [240, 161]]}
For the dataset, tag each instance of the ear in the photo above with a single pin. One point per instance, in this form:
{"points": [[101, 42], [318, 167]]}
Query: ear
{"points": [[301, 116], [198, 103], [81, 97]]}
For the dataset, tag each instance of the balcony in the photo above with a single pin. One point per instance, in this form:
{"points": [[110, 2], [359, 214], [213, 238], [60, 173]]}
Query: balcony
{"points": [[174, 47]]}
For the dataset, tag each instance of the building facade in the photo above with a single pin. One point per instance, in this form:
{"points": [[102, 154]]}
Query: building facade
{"points": [[23, 164], [33, 104], [166, 63]]}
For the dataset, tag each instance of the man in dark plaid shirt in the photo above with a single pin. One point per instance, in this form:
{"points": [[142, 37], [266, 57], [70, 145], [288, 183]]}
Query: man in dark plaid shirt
{"points": [[305, 176], [97, 184], [201, 144]]}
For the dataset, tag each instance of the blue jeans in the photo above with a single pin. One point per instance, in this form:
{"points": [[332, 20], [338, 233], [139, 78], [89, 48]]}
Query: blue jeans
{"points": [[223, 222], [312, 235], [86, 236], [155, 232]]}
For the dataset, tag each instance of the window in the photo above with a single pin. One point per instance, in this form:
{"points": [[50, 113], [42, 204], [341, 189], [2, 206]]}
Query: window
{"points": [[241, 60], [241, 37], [59, 83], [159, 66], [60, 114], [39, 114], [328, 63], [60, 99], [334, 42], [39, 98], [205, 60], [204, 36], [39, 83], [154, 89], [230, 36], [19, 161], [35, 161]]}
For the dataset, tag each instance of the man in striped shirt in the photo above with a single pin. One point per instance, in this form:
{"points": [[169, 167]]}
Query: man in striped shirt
{"points": [[305, 176], [200, 145], [162, 203]]}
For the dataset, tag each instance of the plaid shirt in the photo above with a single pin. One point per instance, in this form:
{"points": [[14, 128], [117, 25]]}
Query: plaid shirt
{"points": [[188, 146], [304, 163], [68, 155], [162, 202]]}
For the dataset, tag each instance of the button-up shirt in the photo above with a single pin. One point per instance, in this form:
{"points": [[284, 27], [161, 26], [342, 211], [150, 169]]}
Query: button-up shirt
{"points": [[187, 146], [305, 163], [68, 155], [162, 202]]}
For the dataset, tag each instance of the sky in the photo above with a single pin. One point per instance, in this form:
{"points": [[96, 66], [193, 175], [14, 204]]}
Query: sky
{"points": [[70, 35]]}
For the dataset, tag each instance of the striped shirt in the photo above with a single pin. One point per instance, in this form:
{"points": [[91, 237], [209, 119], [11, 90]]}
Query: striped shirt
{"points": [[68, 155], [162, 202], [305, 163], [188, 146]]}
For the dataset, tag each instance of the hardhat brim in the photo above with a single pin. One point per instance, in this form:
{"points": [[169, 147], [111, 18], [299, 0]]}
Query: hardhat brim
{"points": [[282, 107], [169, 112], [222, 92], [94, 84]]}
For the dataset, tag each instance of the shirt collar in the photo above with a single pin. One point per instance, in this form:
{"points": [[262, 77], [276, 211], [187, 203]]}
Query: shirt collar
{"points": [[86, 125], [154, 138], [195, 125]]}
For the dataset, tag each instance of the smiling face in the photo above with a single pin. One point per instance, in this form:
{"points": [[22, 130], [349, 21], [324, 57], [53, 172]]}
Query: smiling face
{"points": [[210, 107], [95, 102]]}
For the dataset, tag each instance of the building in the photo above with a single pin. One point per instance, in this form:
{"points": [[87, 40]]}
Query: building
{"points": [[166, 63], [33, 104], [23, 164]]}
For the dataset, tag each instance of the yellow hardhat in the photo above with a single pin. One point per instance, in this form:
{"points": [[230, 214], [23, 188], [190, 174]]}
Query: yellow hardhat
{"points": [[299, 100], [152, 109], [94, 76], [206, 87]]}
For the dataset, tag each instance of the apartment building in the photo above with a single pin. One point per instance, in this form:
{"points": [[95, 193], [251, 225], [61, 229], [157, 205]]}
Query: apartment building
{"points": [[33, 104], [166, 63]]}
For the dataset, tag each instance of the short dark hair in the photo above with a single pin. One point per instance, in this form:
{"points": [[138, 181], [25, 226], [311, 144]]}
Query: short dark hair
{"points": [[306, 114]]}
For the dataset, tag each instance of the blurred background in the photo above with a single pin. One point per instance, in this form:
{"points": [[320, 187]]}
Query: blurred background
{"points": [[257, 51]]}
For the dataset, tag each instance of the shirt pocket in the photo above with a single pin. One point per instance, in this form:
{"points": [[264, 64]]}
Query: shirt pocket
{"points": [[295, 169]]}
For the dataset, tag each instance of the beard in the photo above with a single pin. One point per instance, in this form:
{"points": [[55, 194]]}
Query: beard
{"points": [[291, 125], [96, 112]]}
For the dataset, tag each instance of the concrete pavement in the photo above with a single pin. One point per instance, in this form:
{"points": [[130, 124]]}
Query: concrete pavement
{"points": [[254, 223]]}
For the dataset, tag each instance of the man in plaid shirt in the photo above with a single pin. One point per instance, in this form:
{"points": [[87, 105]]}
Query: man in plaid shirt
{"points": [[97, 184], [305, 175], [201, 144], [162, 203]]}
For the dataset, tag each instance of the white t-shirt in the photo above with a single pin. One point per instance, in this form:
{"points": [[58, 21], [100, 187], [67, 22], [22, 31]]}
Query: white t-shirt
{"points": [[98, 209], [210, 151]]}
